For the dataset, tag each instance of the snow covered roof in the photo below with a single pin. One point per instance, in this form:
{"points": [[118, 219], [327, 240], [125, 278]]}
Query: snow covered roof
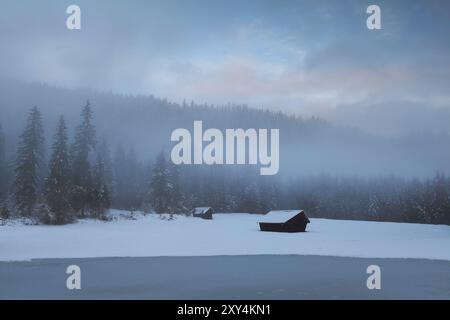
{"points": [[279, 216], [201, 210]]}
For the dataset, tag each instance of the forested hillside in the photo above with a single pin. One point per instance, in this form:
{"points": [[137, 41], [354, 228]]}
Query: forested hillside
{"points": [[116, 155]]}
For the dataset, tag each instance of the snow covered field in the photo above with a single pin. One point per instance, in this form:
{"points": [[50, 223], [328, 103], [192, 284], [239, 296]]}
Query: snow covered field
{"points": [[227, 234]]}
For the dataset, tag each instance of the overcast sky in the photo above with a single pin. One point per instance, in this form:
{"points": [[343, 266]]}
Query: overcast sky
{"points": [[303, 57]]}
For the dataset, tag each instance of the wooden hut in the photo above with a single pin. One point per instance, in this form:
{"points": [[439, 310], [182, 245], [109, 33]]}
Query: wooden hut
{"points": [[284, 221], [203, 212]]}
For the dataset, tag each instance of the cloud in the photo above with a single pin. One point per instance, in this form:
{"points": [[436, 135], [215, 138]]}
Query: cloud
{"points": [[300, 57]]}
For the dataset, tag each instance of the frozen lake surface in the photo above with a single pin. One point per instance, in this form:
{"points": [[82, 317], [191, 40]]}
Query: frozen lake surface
{"points": [[226, 277]]}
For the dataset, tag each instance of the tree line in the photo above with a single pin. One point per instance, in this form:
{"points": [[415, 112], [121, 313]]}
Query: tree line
{"points": [[68, 185], [82, 178]]}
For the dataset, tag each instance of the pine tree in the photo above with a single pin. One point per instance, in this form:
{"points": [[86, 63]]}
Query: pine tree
{"points": [[120, 177], [129, 180], [57, 185], [176, 196], [81, 168], [29, 164], [105, 154], [249, 201], [101, 198], [3, 168], [4, 179], [441, 199], [159, 194], [133, 191]]}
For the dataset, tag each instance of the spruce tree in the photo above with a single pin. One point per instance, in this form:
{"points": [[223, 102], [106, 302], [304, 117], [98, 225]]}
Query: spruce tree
{"points": [[4, 179], [440, 200], [3, 167], [29, 165], [83, 145], [101, 198], [57, 184], [132, 193], [176, 197], [159, 194], [130, 183], [105, 153], [249, 201], [120, 177]]}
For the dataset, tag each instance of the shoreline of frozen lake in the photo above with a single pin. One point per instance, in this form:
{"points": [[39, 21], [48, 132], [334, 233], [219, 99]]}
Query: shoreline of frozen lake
{"points": [[227, 234]]}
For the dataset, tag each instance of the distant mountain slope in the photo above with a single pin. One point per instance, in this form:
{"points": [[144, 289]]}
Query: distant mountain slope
{"points": [[308, 146]]}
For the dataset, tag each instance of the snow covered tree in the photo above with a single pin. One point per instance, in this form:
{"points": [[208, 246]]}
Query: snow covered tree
{"points": [[160, 188], [120, 178], [83, 145], [28, 165], [249, 201], [176, 195], [129, 180], [440, 199], [100, 194], [133, 193], [105, 153], [267, 196], [3, 168], [57, 184], [4, 210]]}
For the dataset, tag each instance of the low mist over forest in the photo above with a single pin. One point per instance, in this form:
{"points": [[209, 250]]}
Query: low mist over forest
{"points": [[144, 123], [118, 155]]}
